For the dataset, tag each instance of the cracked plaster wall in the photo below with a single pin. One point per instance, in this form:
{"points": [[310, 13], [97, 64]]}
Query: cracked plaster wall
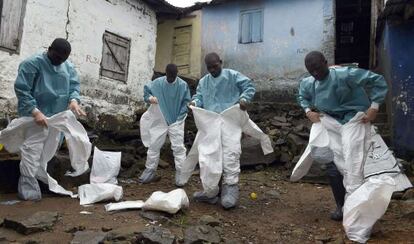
{"points": [[83, 24]]}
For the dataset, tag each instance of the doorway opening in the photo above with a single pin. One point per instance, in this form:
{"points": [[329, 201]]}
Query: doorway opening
{"points": [[353, 32]]}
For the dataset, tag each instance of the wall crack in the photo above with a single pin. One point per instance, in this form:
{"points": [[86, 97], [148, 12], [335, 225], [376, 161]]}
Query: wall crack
{"points": [[67, 21]]}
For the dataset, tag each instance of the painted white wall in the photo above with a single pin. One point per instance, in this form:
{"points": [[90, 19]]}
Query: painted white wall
{"points": [[84, 23]]}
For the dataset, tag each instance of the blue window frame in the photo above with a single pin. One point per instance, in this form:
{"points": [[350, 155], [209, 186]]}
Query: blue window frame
{"points": [[251, 26]]}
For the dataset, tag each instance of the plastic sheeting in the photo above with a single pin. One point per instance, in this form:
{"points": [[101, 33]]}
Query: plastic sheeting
{"points": [[207, 148], [105, 166], [92, 193], [170, 202], [15, 135]]}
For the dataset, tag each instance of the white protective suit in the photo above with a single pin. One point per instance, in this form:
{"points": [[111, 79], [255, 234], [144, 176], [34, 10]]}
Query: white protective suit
{"points": [[217, 146], [37, 145], [154, 131], [379, 159], [382, 176]]}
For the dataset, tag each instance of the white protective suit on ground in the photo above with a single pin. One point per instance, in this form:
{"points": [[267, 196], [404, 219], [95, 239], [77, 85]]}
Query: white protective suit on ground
{"points": [[217, 146], [37, 145], [154, 131]]}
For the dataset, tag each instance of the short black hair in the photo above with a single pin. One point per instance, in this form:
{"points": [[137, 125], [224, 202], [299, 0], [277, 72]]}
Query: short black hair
{"points": [[171, 68], [315, 56], [212, 57], [61, 46]]}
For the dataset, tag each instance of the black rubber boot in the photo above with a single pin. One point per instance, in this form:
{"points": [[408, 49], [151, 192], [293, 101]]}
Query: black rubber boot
{"points": [[338, 190]]}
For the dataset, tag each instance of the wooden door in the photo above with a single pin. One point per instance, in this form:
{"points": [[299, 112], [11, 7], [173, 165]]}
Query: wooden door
{"points": [[182, 49]]}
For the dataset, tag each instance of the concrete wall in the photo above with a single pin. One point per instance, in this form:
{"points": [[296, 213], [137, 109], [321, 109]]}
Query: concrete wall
{"points": [[83, 24], [165, 34], [292, 28]]}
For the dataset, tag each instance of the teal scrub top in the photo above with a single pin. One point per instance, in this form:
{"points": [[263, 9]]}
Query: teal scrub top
{"points": [[343, 93], [173, 98], [41, 85], [218, 94]]}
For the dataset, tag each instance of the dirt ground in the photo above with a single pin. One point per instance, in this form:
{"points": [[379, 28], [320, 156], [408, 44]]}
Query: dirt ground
{"points": [[299, 215]]}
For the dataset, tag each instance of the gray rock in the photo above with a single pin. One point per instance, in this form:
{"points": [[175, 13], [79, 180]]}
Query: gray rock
{"points": [[155, 216], [280, 142], [408, 195], [88, 237], [106, 229], [273, 194], [75, 229], [127, 160], [125, 135], [57, 168], [134, 171], [407, 209], [299, 127], [201, 234], [163, 165], [273, 132], [126, 233], [397, 195], [209, 220], [252, 153], [285, 157], [37, 222], [316, 175], [280, 124], [296, 144], [280, 119], [156, 235]]}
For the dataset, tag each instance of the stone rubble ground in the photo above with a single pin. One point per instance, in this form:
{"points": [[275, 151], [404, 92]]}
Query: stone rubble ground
{"points": [[281, 212]]}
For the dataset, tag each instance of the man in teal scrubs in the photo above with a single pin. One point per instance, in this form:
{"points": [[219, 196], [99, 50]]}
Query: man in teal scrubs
{"points": [[342, 93], [218, 91], [46, 84], [172, 94]]}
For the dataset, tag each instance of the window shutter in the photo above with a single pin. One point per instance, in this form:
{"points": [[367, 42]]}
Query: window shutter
{"points": [[10, 23], [245, 34], [257, 26], [115, 57]]}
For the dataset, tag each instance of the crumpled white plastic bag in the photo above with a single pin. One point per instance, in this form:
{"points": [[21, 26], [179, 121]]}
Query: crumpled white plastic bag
{"points": [[105, 166], [365, 206], [92, 193], [207, 146], [124, 205], [76, 137], [170, 202]]}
